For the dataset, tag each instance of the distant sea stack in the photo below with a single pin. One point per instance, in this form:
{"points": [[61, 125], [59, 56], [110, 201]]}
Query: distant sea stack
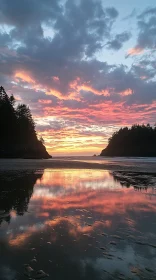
{"points": [[18, 137], [137, 141]]}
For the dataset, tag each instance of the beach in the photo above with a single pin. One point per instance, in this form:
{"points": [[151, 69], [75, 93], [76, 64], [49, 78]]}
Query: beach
{"points": [[71, 221], [147, 165]]}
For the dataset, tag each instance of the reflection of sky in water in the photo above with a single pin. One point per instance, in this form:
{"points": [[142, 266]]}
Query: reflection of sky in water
{"points": [[77, 224]]}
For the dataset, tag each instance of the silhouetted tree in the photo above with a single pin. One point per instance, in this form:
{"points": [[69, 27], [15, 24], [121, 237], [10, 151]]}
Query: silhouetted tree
{"points": [[41, 140], [18, 136], [139, 140], [25, 124]]}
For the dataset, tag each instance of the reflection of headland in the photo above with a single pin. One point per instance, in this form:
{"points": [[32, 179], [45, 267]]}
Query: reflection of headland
{"points": [[16, 189]]}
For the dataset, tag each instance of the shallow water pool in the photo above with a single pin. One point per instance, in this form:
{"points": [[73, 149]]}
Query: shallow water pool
{"points": [[77, 224]]}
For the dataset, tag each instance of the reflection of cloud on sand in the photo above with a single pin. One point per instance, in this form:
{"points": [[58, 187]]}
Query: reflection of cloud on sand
{"points": [[77, 179], [74, 224], [81, 223], [85, 201], [103, 201]]}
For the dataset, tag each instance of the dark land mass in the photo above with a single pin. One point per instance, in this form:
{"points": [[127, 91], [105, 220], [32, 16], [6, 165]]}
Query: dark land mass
{"points": [[18, 137], [137, 141]]}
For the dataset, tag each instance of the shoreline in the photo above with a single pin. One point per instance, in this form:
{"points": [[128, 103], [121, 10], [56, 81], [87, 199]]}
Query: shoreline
{"points": [[33, 164]]}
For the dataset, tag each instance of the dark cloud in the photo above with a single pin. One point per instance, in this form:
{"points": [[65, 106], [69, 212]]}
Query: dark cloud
{"points": [[144, 73], [79, 31], [112, 12], [119, 40], [27, 12], [147, 12], [144, 93], [83, 27], [5, 39], [147, 29]]}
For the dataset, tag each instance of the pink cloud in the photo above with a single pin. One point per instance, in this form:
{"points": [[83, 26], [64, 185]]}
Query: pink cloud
{"points": [[55, 78], [135, 51], [44, 101]]}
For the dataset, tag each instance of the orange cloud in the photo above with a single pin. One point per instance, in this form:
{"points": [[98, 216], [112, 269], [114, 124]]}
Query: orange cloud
{"points": [[126, 92], [20, 238], [44, 101], [17, 97], [24, 77], [135, 51], [43, 214], [77, 85], [97, 92], [56, 93]]}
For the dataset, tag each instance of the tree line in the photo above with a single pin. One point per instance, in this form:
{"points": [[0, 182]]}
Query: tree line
{"points": [[18, 137], [137, 141]]}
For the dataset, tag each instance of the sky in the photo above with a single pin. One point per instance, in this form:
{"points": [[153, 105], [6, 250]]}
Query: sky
{"points": [[84, 67]]}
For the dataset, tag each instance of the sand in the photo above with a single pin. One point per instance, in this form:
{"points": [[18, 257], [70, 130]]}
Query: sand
{"points": [[32, 164]]}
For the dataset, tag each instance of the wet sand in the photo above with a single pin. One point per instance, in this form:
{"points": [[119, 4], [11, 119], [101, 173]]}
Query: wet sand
{"points": [[114, 165], [77, 224]]}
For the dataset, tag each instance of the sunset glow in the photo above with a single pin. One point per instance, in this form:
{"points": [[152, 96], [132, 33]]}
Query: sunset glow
{"points": [[82, 76], [24, 77]]}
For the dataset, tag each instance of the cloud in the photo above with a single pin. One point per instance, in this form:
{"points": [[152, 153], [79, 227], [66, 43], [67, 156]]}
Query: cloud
{"points": [[146, 25], [21, 14], [147, 12], [112, 12], [135, 51], [24, 77], [44, 101], [131, 15], [79, 31], [61, 77], [119, 40], [126, 92], [145, 70]]}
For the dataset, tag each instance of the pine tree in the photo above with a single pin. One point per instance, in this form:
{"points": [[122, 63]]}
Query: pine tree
{"points": [[18, 136]]}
